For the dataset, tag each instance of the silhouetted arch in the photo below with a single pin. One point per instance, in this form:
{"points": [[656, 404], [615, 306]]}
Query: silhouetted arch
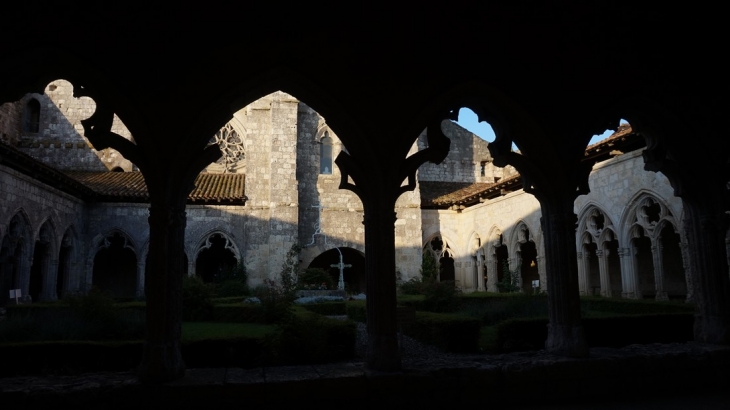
{"points": [[215, 254], [14, 256], [115, 267], [42, 275]]}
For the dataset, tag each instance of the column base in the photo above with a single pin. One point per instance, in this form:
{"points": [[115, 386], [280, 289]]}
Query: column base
{"points": [[383, 354], [567, 341], [161, 362], [662, 296], [712, 329]]}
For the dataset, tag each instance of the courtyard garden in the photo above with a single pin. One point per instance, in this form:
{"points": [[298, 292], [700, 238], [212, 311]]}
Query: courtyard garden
{"points": [[279, 323]]}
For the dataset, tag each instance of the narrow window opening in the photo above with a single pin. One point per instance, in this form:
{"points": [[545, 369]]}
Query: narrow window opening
{"points": [[325, 155]]}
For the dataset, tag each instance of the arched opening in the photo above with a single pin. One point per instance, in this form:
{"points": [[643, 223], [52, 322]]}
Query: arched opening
{"points": [[502, 255], [675, 281], [115, 268], [11, 258], [41, 260], [593, 275], [62, 277], [644, 263], [32, 116], [215, 255], [528, 266], [447, 271], [325, 154], [614, 267], [354, 276]]}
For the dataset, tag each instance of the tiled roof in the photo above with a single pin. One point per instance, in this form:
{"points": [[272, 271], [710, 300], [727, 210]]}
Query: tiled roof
{"points": [[445, 194], [440, 194], [623, 131], [435, 193], [130, 186]]}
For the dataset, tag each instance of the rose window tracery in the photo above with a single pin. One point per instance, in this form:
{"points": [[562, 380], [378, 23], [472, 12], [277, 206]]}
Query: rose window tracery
{"points": [[231, 146]]}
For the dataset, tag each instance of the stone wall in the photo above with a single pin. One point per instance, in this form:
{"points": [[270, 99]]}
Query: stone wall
{"points": [[10, 116], [37, 205], [60, 141], [469, 159]]}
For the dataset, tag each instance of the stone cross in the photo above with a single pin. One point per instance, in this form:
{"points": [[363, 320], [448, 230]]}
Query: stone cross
{"points": [[341, 266]]}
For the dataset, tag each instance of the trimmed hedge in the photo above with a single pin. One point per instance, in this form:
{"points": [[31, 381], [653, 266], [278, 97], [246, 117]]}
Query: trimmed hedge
{"points": [[308, 338], [633, 307], [356, 310], [616, 331], [312, 338], [452, 333], [326, 308]]}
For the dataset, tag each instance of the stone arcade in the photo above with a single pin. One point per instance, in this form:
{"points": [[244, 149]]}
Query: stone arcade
{"points": [[285, 151], [379, 79]]}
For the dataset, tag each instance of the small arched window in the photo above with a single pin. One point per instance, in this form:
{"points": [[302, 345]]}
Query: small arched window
{"points": [[325, 154], [32, 116]]}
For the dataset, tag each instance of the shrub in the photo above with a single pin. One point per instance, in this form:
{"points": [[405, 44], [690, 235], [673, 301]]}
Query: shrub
{"points": [[452, 333], [315, 278], [415, 286], [236, 273], [311, 338], [197, 299], [510, 280], [276, 302], [429, 269], [441, 297], [231, 288]]}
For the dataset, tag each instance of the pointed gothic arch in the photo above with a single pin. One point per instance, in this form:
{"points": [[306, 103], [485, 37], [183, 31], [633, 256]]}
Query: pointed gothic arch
{"points": [[441, 249], [114, 268], [215, 251], [67, 279], [15, 254], [43, 267]]}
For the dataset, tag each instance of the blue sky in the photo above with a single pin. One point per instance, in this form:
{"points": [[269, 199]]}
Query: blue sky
{"points": [[468, 120]]}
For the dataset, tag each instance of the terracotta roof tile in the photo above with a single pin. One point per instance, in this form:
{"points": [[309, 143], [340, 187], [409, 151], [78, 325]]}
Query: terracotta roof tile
{"points": [[130, 186]]}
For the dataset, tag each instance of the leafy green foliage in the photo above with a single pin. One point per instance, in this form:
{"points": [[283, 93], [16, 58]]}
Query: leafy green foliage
{"points": [[429, 267], [197, 299], [441, 296], [315, 278], [510, 280], [276, 302], [289, 270], [232, 281]]}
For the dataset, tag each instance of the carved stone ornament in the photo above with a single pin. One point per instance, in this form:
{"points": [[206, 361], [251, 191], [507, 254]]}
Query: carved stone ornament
{"points": [[231, 146]]}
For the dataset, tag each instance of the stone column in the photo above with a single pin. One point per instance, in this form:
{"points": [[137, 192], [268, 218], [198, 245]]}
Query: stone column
{"points": [[656, 253], [50, 274], [629, 282], [161, 359], [603, 272], [553, 170], [480, 272], [582, 275], [683, 246], [699, 176], [139, 293], [541, 272], [493, 275], [515, 266], [377, 177]]}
